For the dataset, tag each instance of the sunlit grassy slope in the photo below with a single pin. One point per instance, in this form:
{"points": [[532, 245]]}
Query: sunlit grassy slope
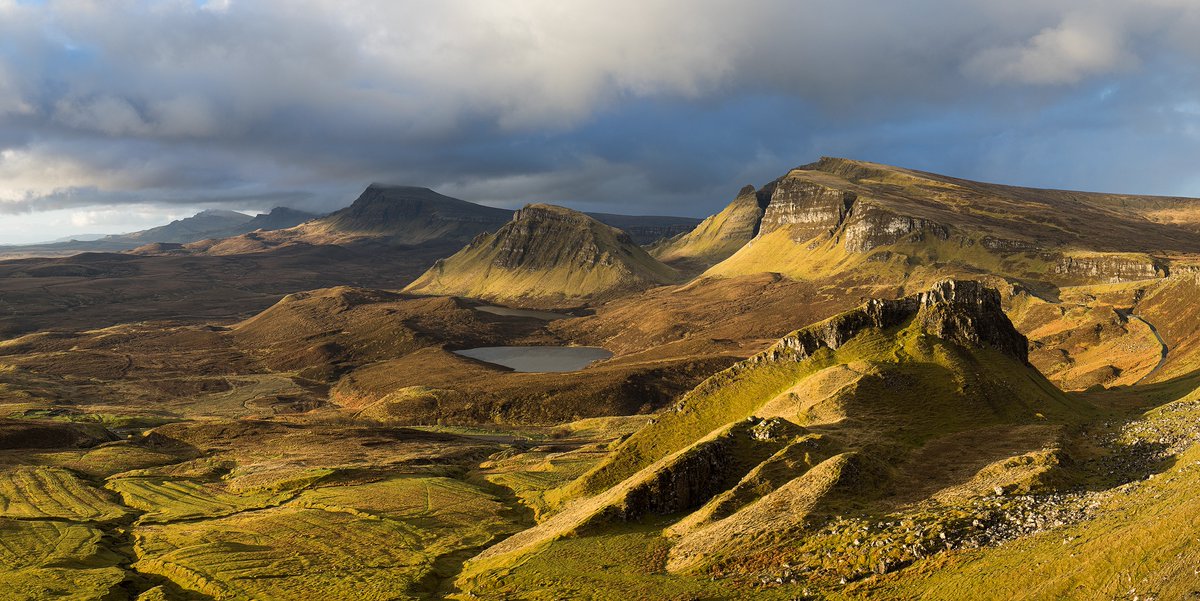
{"points": [[547, 253]]}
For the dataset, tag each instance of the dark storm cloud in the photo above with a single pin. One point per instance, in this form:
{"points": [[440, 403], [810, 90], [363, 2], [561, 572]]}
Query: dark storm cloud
{"points": [[637, 106]]}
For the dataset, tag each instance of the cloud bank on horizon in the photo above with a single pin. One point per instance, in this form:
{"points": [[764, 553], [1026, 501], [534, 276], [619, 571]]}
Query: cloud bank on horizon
{"points": [[641, 106]]}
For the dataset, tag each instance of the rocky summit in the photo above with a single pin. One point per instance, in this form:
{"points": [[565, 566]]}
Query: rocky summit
{"points": [[546, 255]]}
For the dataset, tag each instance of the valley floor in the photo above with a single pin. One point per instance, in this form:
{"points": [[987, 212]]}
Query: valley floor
{"points": [[242, 509]]}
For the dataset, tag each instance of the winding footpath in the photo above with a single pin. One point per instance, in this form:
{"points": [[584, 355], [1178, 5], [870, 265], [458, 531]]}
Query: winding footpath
{"points": [[1163, 358]]}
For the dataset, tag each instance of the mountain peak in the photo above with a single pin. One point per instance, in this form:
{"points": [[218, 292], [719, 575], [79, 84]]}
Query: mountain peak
{"points": [[546, 254], [409, 215], [548, 212]]}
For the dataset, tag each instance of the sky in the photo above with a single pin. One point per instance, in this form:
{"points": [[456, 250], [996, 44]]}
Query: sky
{"points": [[117, 115]]}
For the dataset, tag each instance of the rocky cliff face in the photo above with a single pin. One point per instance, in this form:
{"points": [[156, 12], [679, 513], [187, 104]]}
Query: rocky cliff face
{"points": [[1112, 268], [962, 311], [809, 204], [808, 208], [871, 227]]}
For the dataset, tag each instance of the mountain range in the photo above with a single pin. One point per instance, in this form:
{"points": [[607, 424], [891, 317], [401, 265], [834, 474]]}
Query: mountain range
{"points": [[854, 381]]}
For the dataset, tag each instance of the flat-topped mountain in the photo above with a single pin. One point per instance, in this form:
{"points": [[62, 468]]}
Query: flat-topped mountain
{"points": [[546, 255], [839, 215], [404, 215]]}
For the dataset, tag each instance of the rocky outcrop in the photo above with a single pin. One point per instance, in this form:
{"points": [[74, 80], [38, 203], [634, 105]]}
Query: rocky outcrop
{"points": [[962, 311], [1112, 267], [872, 227], [969, 313]]}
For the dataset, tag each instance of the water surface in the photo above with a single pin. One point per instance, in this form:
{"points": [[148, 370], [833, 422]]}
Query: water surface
{"points": [[538, 358], [546, 315]]}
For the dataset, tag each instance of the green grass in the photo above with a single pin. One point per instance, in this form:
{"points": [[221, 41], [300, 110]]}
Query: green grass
{"points": [[286, 553], [393, 539], [625, 562], [55, 560], [165, 500], [34, 492]]}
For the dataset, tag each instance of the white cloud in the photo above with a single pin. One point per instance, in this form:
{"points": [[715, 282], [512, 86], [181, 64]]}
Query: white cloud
{"points": [[136, 99], [1077, 48]]}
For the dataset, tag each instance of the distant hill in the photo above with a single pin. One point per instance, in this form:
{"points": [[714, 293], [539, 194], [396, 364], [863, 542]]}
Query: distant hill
{"points": [[546, 255], [402, 215], [207, 224], [277, 219], [647, 229], [385, 214], [410, 215]]}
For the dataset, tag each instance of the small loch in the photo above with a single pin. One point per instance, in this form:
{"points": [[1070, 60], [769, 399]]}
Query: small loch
{"points": [[546, 315], [538, 358]]}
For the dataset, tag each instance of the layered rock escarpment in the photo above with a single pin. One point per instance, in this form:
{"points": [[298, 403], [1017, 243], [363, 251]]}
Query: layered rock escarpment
{"points": [[807, 208], [1112, 267], [835, 214], [872, 227], [810, 203], [546, 254]]}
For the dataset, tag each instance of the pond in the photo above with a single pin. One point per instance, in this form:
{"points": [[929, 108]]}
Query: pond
{"points": [[546, 315], [538, 358]]}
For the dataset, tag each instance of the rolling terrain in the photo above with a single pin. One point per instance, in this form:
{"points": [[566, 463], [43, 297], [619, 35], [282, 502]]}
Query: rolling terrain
{"points": [[855, 381]]}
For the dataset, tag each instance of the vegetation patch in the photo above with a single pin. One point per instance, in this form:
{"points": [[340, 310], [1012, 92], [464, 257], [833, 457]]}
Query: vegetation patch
{"points": [[35, 492]]}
